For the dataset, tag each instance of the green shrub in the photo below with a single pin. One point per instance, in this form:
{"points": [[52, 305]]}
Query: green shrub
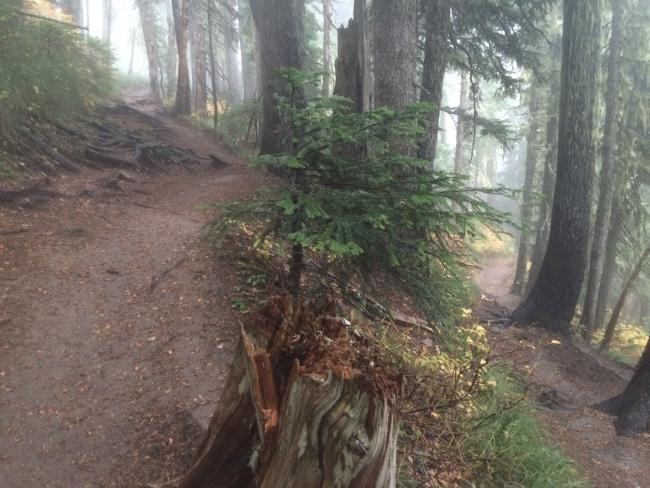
{"points": [[47, 70]]}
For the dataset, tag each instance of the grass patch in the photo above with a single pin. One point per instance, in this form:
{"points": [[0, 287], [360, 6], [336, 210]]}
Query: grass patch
{"points": [[468, 421], [510, 444]]}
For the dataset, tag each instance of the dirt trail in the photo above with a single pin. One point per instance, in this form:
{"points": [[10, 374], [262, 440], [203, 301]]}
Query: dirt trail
{"points": [[567, 379], [115, 324]]}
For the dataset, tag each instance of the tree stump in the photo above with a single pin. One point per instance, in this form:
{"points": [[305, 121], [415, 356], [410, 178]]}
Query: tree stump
{"points": [[304, 406]]}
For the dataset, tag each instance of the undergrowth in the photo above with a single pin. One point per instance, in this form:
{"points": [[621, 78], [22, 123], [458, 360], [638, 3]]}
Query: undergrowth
{"points": [[467, 421], [627, 345], [48, 70]]}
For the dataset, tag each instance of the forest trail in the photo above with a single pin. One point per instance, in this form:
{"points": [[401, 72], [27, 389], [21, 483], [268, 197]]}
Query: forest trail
{"points": [[116, 326], [566, 379]]}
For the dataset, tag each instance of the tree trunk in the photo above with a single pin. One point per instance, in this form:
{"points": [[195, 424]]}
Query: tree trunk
{"points": [[232, 55], [437, 25], [552, 300], [527, 196], [172, 55], [132, 52], [183, 102], [632, 407], [327, 46], [150, 35], [459, 154], [548, 183], [213, 65], [198, 31], [607, 173], [248, 68], [613, 320], [351, 68], [395, 52], [609, 267], [297, 414], [107, 20], [279, 27]]}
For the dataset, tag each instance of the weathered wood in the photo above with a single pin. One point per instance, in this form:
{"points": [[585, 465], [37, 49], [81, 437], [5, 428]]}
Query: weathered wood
{"points": [[302, 407]]}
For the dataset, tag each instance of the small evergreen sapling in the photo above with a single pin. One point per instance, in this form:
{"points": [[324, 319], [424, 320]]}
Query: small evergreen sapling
{"points": [[366, 210]]}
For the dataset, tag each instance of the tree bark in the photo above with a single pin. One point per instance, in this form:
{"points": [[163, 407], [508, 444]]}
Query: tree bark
{"points": [[198, 30], [609, 267], [298, 414], [459, 153], [132, 51], [183, 102], [607, 173], [213, 65], [395, 52], [247, 50], [543, 226], [279, 27], [150, 35], [521, 269], [107, 8], [552, 300], [232, 55], [172, 54], [613, 320], [351, 66], [327, 46], [632, 407], [437, 26]]}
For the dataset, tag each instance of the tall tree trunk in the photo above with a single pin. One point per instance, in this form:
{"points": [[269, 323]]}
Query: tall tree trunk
{"points": [[198, 31], [543, 226], [213, 64], [607, 173], [437, 25], [150, 35], [609, 267], [248, 67], [297, 414], [183, 102], [613, 320], [327, 46], [232, 55], [395, 52], [107, 20], [527, 201], [459, 153], [552, 300], [279, 27], [172, 54], [132, 52], [351, 66]]}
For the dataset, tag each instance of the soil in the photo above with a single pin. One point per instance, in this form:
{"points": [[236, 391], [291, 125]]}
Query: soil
{"points": [[566, 378], [116, 325]]}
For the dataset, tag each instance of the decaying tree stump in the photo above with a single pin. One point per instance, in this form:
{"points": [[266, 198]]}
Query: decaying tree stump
{"points": [[304, 406]]}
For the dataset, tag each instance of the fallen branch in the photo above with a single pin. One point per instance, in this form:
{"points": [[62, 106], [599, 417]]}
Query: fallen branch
{"points": [[13, 231]]}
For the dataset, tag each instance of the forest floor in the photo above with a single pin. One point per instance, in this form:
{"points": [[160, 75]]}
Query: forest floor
{"points": [[566, 379], [116, 326]]}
